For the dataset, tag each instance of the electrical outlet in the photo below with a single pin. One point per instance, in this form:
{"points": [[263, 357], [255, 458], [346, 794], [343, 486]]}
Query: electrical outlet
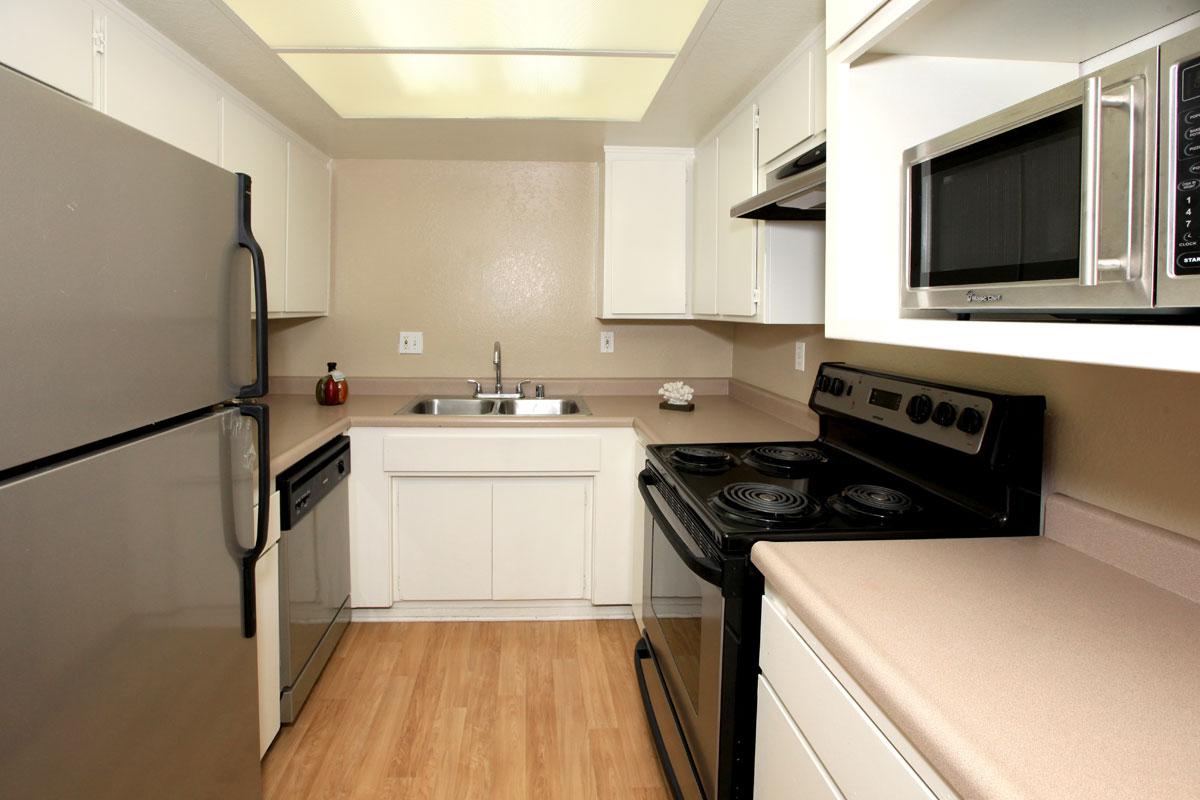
{"points": [[607, 343], [411, 343], [800, 355]]}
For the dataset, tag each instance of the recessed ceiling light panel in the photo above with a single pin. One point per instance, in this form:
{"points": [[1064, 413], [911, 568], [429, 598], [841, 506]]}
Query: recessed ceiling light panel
{"points": [[478, 59]]}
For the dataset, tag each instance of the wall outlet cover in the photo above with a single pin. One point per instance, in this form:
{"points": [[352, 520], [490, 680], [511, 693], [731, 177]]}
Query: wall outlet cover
{"points": [[607, 341], [411, 343], [800, 355]]}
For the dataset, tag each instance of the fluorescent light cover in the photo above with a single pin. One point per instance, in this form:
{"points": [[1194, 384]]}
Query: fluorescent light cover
{"points": [[460, 86], [659, 26]]}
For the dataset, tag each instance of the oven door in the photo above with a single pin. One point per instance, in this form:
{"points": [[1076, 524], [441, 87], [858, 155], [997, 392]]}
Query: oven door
{"points": [[1045, 206], [684, 618]]}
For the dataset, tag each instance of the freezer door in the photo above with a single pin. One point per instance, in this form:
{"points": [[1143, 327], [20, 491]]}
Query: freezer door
{"points": [[125, 670], [124, 297]]}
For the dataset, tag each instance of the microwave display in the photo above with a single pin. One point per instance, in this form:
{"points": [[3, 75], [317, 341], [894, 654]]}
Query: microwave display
{"points": [[1001, 210]]}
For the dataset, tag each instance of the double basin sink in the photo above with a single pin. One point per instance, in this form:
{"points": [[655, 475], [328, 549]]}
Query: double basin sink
{"points": [[478, 407]]}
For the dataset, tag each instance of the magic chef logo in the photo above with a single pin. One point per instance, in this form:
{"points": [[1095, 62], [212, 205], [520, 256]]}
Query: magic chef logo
{"points": [[973, 297]]}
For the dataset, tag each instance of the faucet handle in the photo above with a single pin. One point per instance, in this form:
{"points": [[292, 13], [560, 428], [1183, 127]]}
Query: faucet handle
{"points": [[520, 387], [478, 387], [539, 390]]}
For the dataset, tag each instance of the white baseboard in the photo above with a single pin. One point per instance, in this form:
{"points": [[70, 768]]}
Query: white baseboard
{"points": [[490, 610]]}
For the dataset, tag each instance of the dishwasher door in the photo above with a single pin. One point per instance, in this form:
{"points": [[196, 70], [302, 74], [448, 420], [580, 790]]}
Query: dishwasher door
{"points": [[314, 582]]}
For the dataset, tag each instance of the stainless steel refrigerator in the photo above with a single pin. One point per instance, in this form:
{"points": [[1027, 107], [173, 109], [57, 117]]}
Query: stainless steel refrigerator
{"points": [[127, 464]]}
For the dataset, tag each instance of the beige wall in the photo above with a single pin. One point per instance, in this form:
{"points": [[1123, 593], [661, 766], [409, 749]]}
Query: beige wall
{"points": [[470, 252], [1124, 439]]}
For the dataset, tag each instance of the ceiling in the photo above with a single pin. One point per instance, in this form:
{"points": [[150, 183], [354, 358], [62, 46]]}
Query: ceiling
{"points": [[734, 45]]}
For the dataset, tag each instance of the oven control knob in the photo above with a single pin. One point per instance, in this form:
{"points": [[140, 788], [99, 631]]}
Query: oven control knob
{"points": [[822, 383], [837, 386], [944, 414], [970, 421], [919, 408]]}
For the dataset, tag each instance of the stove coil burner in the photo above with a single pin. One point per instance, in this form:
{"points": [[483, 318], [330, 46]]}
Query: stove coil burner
{"points": [[702, 459], [783, 460], [877, 502], [766, 503]]}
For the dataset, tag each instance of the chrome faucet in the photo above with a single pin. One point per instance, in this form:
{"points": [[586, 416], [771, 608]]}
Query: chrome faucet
{"points": [[498, 393], [496, 364]]}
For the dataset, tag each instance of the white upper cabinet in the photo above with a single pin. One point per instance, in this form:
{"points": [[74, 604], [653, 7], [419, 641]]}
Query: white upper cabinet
{"points": [[647, 199], [252, 146], [737, 177], [785, 108], [843, 16], [153, 91], [50, 40], [308, 231], [704, 230]]}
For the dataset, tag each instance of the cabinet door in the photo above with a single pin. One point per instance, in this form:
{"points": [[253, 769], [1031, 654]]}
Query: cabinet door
{"points": [[843, 16], [704, 230], [785, 766], [443, 530], [154, 92], [539, 536], [645, 236], [50, 40], [785, 110], [737, 176], [266, 598], [308, 219], [251, 146]]}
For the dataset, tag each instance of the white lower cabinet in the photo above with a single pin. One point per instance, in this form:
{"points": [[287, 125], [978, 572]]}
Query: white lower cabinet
{"points": [[825, 723], [492, 538], [785, 766], [443, 531], [266, 602]]}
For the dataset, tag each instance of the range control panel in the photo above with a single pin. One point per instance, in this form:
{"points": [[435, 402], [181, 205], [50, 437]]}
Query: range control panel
{"points": [[1186, 239], [948, 417]]}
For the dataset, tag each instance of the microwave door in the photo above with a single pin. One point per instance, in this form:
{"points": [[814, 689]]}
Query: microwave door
{"points": [[1042, 206]]}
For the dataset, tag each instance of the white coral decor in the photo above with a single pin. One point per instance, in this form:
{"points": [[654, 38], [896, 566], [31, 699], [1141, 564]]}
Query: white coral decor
{"points": [[677, 393]]}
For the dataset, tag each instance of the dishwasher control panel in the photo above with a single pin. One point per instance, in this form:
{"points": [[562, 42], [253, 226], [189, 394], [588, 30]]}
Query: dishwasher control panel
{"points": [[303, 485]]}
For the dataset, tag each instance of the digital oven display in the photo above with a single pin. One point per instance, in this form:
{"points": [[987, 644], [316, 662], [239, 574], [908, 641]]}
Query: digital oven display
{"points": [[888, 400]]}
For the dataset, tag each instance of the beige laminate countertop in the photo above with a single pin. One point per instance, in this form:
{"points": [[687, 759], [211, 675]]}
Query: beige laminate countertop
{"points": [[1021, 669], [299, 424]]}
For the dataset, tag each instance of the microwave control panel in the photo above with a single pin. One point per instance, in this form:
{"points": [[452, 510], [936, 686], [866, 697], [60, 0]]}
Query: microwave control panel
{"points": [[1187, 169]]}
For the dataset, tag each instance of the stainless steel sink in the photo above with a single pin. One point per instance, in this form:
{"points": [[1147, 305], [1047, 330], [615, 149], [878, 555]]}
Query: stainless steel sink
{"points": [[450, 406], [543, 407], [474, 407]]}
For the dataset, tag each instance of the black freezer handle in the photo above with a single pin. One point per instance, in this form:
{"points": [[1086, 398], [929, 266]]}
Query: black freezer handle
{"points": [[258, 265], [261, 416], [702, 566]]}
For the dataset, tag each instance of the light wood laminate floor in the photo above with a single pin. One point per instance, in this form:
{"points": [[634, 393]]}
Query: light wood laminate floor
{"points": [[540, 710]]}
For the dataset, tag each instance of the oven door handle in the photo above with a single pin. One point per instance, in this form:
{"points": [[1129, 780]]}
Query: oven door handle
{"points": [[701, 565]]}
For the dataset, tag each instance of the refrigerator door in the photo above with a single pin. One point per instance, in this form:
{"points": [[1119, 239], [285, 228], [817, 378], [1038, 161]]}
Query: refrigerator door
{"points": [[125, 670], [124, 296]]}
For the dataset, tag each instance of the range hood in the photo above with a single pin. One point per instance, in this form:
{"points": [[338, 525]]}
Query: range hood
{"points": [[795, 191]]}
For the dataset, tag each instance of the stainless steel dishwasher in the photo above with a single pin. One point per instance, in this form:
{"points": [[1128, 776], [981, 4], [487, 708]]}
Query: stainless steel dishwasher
{"points": [[314, 569]]}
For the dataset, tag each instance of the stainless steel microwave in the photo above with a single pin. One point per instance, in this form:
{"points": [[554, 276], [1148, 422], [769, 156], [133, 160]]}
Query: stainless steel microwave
{"points": [[1077, 202]]}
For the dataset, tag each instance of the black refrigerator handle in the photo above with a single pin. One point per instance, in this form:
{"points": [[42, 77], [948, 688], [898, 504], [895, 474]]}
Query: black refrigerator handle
{"points": [[261, 416], [258, 263], [706, 569]]}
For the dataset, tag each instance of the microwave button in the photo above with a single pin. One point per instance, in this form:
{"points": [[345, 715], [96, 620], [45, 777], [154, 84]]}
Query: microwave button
{"points": [[1192, 150], [1188, 261], [1194, 168], [1190, 185], [1191, 117], [1192, 133]]}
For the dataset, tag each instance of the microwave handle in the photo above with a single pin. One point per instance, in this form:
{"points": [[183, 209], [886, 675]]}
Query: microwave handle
{"points": [[1094, 103]]}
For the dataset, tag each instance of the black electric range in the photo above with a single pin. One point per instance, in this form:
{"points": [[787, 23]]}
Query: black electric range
{"points": [[896, 457]]}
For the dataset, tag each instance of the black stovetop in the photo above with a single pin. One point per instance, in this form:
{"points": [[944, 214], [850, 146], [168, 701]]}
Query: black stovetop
{"points": [[791, 491]]}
